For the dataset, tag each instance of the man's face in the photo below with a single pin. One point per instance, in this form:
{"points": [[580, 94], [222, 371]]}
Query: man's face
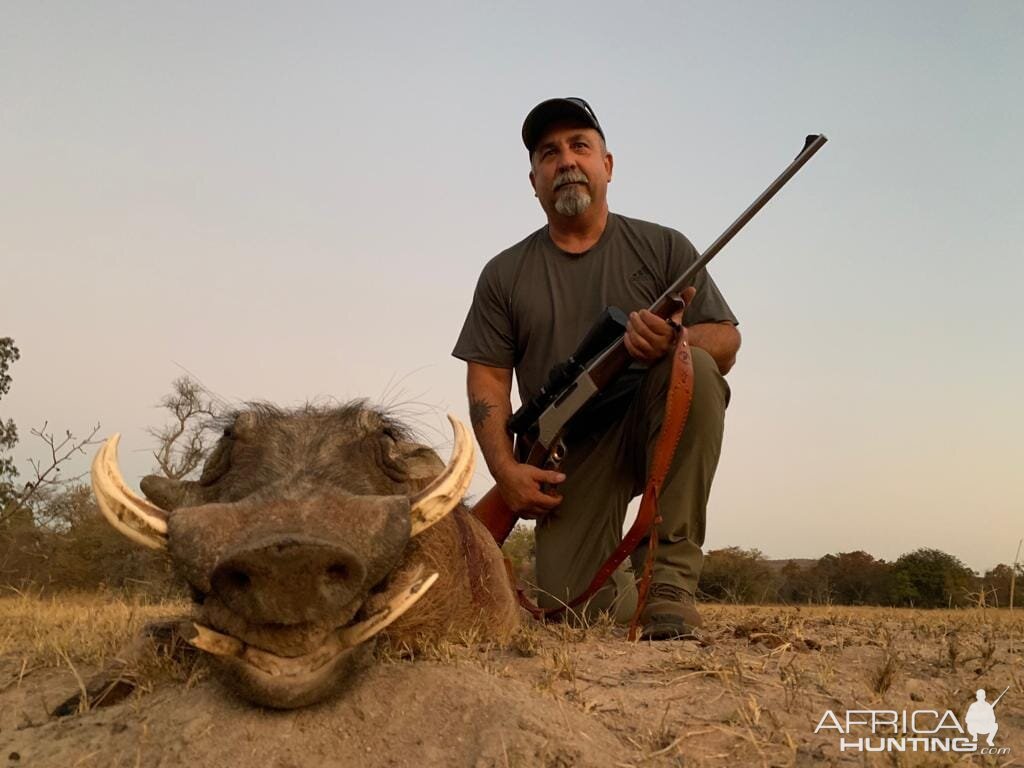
{"points": [[570, 169]]}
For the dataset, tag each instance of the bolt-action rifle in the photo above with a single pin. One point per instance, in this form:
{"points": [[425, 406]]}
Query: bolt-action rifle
{"points": [[539, 426]]}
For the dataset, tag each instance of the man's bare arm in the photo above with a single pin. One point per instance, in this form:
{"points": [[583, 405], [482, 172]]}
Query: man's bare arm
{"points": [[720, 340], [490, 405]]}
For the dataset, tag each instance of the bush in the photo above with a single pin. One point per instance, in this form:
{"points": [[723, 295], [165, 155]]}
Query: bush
{"points": [[521, 549], [996, 584], [851, 578], [67, 545], [737, 576], [931, 578]]}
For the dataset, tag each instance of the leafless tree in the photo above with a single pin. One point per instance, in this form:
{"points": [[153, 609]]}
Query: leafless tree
{"points": [[47, 478], [183, 442]]}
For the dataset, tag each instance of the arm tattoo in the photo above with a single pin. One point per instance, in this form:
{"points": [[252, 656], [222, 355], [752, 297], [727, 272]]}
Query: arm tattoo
{"points": [[479, 410]]}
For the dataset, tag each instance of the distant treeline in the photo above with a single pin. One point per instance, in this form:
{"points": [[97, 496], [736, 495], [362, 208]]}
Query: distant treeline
{"points": [[924, 578], [62, 543]]}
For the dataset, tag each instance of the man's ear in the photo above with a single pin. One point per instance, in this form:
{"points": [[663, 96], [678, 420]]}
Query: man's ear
{"points": [[533, 183], [609, 162]]}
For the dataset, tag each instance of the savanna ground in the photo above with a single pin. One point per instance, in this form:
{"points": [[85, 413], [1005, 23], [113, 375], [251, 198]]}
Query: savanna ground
{"points": [[558, 697]]}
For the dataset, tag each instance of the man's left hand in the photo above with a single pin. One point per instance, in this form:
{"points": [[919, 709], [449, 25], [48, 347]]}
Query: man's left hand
{"points": [[648, 337]]}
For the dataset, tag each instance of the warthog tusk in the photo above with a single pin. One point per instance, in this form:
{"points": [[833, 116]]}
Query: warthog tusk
{"points": [[217, 644], [136, 518], [446, 491], [397, 604], [213, 642]]}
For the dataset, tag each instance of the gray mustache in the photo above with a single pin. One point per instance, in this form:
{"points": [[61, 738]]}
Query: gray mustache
{"points": [[570, 177]]}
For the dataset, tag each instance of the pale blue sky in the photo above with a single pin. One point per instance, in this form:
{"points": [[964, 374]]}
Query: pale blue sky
{"points": [[294, 202]]}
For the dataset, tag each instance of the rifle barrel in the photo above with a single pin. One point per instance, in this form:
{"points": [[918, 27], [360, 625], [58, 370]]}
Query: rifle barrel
{"points": [[666, 303]]}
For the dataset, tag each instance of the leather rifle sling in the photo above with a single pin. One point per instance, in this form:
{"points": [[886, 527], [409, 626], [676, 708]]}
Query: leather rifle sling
{"points": [[677, 407]]}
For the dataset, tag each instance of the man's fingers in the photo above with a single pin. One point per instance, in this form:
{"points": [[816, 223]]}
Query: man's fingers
{"points": [[638, 348], [656, 325], [539, 503], [553, 478], [649, 326], [547, 501], [535, 512], [644, 342], [546, 475]]}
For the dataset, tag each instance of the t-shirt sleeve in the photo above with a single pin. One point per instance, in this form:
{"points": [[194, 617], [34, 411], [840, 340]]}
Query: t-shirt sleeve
{"points": [[708, 305], [487, 334]]}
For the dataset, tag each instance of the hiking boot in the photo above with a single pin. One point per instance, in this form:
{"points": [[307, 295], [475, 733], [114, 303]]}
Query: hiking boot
{"points": [[670, 614]]}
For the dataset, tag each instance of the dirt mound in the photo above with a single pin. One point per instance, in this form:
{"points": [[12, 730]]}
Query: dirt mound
{"points": [[427, 713]]}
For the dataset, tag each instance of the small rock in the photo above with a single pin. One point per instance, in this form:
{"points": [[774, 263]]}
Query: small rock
{"points": [[915, 696]]}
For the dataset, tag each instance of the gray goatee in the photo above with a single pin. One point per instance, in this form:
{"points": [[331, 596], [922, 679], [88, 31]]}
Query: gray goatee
{"points": [[571, 199]]}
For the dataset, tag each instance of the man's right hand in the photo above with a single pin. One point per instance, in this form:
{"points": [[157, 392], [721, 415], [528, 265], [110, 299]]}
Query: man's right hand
{"points": [[520, 487]]}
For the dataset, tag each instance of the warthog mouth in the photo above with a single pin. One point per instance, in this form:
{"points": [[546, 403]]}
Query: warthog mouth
{"points": [[285, 677], [331, 643]]}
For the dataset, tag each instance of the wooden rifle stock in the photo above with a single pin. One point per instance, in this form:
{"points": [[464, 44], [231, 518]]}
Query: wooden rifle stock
{"points": [[494, 513]]}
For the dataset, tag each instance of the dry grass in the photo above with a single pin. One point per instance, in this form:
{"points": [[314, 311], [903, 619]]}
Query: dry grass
{"points": [[752, 697], [73, 629]]}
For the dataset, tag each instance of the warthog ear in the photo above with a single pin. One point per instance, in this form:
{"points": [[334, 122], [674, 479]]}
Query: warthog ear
{"points": [[446, 491], [368, 422]]}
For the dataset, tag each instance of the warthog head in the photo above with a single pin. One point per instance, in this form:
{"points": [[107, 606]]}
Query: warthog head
{"points": [[289, 539]]}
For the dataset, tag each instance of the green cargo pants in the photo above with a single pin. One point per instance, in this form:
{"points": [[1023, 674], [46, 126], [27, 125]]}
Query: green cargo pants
{"points": [[606, 469]]}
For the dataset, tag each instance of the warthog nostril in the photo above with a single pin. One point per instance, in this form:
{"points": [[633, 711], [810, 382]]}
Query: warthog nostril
{"points": [[238, 580], [338, 572]]}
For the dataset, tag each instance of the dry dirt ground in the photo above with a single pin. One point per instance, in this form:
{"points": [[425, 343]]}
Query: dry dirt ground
{"points": [[558, 697]]}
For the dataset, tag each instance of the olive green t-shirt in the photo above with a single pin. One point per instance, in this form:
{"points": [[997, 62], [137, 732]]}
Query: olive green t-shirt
{"points": [[534, 303]]}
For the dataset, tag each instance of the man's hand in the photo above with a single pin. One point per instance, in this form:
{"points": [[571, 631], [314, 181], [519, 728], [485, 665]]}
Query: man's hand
{"points": [[520, 487], [648, 338]]}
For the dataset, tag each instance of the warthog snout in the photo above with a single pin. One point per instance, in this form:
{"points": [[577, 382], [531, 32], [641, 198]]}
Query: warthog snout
{"points": [[289, 580]]}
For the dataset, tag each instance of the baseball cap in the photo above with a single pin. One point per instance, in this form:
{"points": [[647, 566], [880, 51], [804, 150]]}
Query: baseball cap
{"points": [[553, 110]]}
